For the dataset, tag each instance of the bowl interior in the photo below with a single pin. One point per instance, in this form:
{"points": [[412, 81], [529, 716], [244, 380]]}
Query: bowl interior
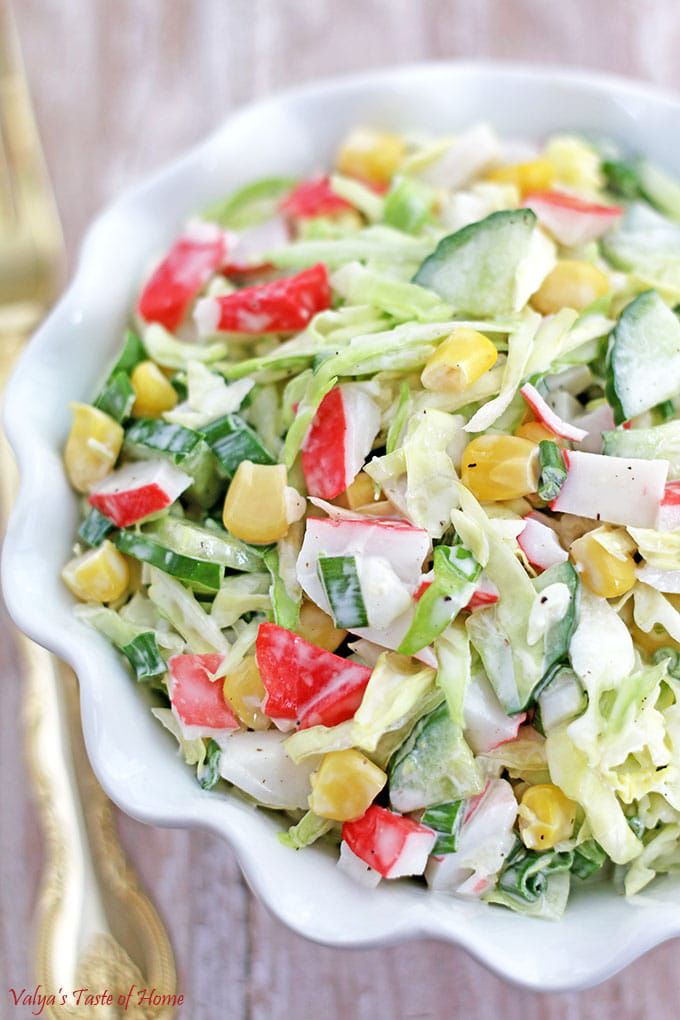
{"points": [[134, 758]]}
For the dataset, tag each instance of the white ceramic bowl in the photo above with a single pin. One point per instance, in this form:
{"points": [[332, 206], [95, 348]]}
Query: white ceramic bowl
{"points": [[134, 758]]}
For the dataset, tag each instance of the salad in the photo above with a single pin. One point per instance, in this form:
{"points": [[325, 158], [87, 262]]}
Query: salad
{"points": [[381, 499]]}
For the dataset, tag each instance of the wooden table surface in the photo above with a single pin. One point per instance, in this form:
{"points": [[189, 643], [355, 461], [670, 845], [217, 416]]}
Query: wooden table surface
{"points": [[119, 87]]}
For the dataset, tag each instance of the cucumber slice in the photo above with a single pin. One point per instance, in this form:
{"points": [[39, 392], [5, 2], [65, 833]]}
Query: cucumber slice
{"points": [[660, 442], [232, 441], [476, 269], [214, 544], [648, 245], [133, 352], [455, 573], [433, 765], [643, 359], [199, 574], [117, 397], [95, 528]]}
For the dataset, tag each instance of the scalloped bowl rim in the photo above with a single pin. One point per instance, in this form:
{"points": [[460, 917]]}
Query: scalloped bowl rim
{"points": [[133, 758]]}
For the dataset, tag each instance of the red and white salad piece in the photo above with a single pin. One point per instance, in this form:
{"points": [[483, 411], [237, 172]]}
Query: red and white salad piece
{"points": [[137, 490], [246, 250], [181, 276], [391, 844], [545, 414], [540, 544], [197, 699], [389, 556], [486, 723], [614, 490], [312, 198], [280, 306], [571, 220], [669, 511], [485, 594], [306, 685], [486, 838], [339, 440], [594, 422]]}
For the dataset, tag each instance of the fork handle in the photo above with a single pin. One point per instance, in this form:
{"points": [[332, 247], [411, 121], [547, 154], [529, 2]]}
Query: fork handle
{"points": [[96, 927]]}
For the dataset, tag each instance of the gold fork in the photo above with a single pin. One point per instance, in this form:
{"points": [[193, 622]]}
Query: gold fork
{"points": [[95, 927]]}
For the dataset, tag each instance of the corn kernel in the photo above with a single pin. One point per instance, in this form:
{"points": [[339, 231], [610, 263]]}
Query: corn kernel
{"points": [[459, 361], [360, 492], [257, 506], [534, 175], [92, 446], [373, 156], [244, 691], [546, 816], [345, 786], [535, 432], [318, 627], [154, 393], [500, 467], [99, 575], [571, 284], [603, 572]]}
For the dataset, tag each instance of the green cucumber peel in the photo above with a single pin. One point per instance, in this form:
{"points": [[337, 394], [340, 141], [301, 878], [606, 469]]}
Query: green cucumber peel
{"points": [[200, 575], [233, 441]]}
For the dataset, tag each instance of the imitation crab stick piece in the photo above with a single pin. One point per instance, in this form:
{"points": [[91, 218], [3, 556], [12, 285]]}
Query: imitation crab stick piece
{"points": [[570, 220], [138, 490], [197, 700], [182, 274], [339, 440], [486, 837], [280, 306], [486, 723], [540, 544], [616, 490], [306, 684], [485, 594], [393, 845], [545, 414], [668, 518], [313, 198]]}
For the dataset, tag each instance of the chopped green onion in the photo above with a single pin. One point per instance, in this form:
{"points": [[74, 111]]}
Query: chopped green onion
{"points": [[446, 820], [233, 441], [525, 874], [455, 571], [666, 410], [589, 858], [208, 772], [144, 657], [95, 528], [552, 472], [340, 579], [197, 573], [622, 178], [636, 825], [672, 657]]}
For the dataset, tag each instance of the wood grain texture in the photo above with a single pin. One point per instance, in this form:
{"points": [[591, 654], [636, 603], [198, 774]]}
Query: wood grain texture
{"points": [[119, 87]]}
